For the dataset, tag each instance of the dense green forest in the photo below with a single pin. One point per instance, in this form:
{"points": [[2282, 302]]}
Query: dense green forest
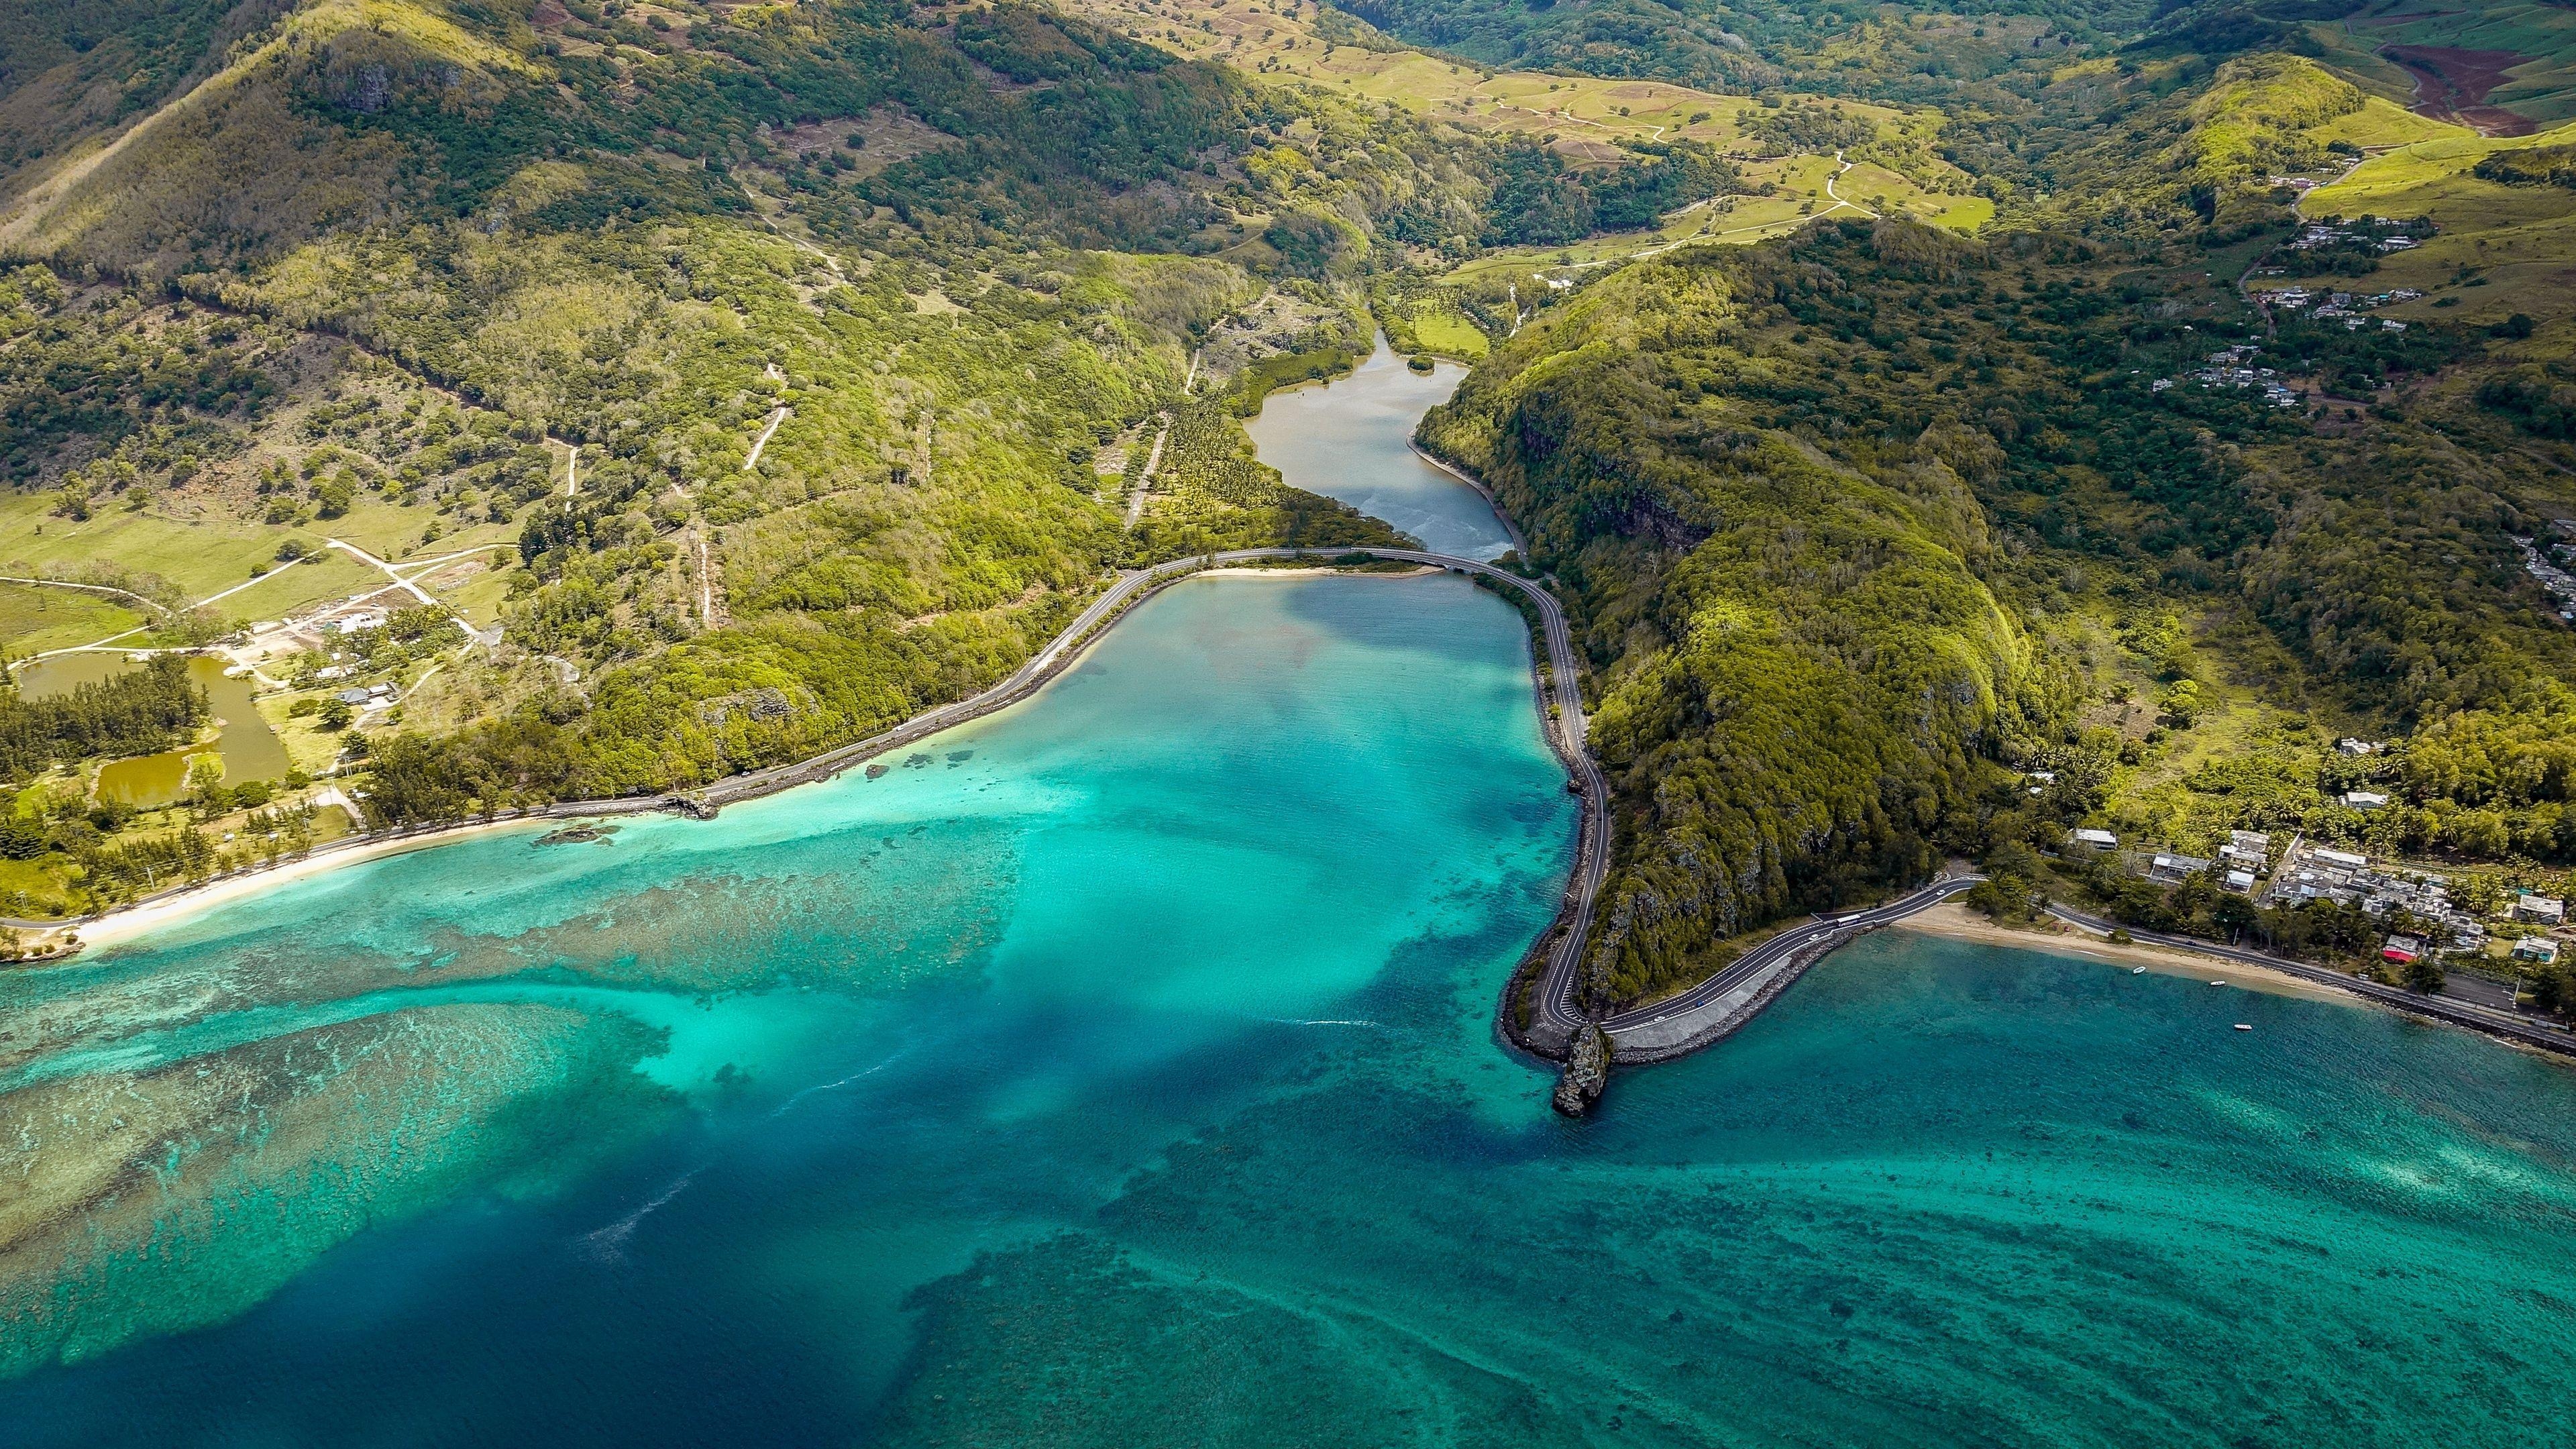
{"points": [[955, 252], [1751, 48], [1849, 517], [149, 709]]}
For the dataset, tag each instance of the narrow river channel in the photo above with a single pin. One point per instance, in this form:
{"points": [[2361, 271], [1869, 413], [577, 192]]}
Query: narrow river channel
{"points": [[1351, 438]]}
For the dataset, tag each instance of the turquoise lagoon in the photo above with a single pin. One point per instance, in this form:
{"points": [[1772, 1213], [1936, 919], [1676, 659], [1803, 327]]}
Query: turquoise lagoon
{"points": [[1118, 1071]]}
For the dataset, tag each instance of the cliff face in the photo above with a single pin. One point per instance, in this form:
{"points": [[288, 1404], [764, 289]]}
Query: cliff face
{"points": [[1803, 665]]}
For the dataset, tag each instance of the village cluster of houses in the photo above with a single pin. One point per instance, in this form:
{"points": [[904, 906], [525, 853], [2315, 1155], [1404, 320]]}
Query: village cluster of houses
{"points": [[2346, 306], [2320, 234], [2350, 878], [2560, 584], [2227, 369], [2311, 872]]}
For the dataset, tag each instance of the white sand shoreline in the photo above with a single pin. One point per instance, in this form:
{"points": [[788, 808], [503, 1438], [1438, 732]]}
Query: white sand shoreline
{"points": [[89, 934], [1953, 921], [118, 927]]}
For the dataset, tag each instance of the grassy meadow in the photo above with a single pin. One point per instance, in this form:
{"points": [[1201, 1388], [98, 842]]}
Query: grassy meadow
{"points": [[2501, 249], [2541, 87]]}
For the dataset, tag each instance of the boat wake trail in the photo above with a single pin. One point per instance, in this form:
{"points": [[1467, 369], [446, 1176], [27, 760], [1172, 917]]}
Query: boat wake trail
{"points": [[608, 1245], [792, 1103]]}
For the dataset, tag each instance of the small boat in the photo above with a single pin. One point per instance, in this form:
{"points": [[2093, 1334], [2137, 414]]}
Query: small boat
{"points": [[2244, 1026], [2137, 970], [2218, 983]]}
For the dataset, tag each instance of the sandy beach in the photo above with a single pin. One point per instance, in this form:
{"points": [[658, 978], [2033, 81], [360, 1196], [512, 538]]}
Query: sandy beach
{"points": [[127, 924], [1958, 923]]}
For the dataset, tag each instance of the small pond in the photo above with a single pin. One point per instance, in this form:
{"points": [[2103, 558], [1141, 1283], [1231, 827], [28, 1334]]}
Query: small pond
{"points": [[250, 749]]}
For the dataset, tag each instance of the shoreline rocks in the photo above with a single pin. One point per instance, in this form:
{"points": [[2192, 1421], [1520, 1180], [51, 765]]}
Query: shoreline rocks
{"points": [[1587, 1071]]}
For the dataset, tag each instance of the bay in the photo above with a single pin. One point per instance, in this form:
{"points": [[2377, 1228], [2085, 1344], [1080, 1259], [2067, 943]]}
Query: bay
{"points": [[1119, 1071]]}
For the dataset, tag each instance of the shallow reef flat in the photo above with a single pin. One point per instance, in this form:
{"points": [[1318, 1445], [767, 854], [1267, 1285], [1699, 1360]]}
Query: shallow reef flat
{"points": [[153, 1201]]}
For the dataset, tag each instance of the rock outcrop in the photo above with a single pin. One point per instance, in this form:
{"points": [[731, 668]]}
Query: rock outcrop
{"points": [[1587, 1071]]}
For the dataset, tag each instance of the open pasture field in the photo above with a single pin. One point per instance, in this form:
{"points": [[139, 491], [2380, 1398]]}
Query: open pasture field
{"points": [[1584, 116], [2501, 249], [35, 618], [1799, 197]]}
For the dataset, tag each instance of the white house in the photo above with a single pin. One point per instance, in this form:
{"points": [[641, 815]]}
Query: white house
{"points": [[2174, 869], [2364, 799], [2095, 839]]}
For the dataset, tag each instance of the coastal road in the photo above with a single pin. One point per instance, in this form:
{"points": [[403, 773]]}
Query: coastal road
{"points": [[1824, 934], [1565, 733], [1564, 727], [2495, 1021]]}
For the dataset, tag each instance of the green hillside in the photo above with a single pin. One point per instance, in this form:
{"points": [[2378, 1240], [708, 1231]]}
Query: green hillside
{"points": [[426, 277], [742, 379]]}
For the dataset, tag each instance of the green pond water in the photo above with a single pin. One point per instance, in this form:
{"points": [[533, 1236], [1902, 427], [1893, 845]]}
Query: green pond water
{"points": [[1350, 438], [1118, 1071], [250, 749]]}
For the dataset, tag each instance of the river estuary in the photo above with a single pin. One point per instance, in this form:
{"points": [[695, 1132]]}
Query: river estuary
{"points": [[1117, 1071]]}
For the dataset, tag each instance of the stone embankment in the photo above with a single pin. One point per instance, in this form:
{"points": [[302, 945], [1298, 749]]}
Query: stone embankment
{"points": [[1563, 724]]}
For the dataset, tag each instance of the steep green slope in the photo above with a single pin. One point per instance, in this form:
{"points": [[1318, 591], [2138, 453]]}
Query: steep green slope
{"points": [[1803, 662], [1860, 524], [1880, 50], [68, 69], [424, 275]]}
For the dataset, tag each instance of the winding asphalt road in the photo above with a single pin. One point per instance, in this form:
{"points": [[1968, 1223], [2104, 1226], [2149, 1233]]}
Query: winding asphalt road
{"points": [[1752, 963]]}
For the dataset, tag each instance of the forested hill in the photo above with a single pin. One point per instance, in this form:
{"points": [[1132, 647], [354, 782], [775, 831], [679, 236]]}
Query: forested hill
{"points": [[1805, 659], [439, 271], [754, 376], [1892, 546], [2001, 55]]}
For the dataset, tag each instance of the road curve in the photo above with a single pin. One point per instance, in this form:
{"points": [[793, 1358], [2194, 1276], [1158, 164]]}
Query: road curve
{"points": [[1825, 934]]}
